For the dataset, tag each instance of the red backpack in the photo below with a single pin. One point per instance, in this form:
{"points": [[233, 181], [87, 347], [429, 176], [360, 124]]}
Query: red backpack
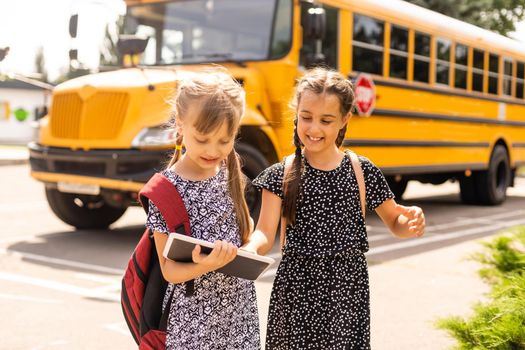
{"points": [[143, 286]]}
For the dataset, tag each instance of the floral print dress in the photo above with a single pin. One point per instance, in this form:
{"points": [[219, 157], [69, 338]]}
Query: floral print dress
{"points": [[222, 312]]}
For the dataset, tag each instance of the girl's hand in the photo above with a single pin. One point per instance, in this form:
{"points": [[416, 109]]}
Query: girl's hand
{"points": [[223, 252], [416, 220]]}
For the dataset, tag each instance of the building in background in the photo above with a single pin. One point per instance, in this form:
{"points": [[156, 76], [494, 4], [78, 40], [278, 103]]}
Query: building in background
{"points": [[21, 104]]}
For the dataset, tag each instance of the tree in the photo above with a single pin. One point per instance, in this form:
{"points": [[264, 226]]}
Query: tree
{"points": [[497, 15], [40, 64]]}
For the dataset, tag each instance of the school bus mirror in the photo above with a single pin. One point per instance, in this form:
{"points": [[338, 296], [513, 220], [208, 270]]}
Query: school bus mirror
{"points": [[128, 44], [73, 25], [314, 59], [3, 53], [315, 24]]}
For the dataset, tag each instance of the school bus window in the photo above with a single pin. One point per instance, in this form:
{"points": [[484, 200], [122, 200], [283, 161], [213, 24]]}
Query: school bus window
{"points": [[398, 52], [493, 74], [460, 70], [282, 30], [367, 45], [331, 40], [422, 57], [520, 79], [478, 64], [328, 44], [443, 61], [507, 77], [183, 34]]}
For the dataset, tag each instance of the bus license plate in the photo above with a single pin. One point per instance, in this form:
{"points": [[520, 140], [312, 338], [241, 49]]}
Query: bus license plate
{"points": [[70, 187]]}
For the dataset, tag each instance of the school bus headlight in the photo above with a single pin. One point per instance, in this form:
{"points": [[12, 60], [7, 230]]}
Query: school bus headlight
{"points": [[155, 136]]}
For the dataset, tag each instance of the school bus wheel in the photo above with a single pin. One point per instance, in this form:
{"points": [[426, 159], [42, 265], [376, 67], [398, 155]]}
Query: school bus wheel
{"points": [[82, 211], [492, 184], [467, 188], [253, 162]]}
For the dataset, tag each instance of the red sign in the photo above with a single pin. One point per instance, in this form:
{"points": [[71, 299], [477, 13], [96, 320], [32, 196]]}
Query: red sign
{"points": [[365, 95]]}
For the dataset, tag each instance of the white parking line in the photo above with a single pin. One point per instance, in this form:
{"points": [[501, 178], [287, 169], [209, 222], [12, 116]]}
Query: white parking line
{"points": [[63, 262], [463, 221], [30, 299], [444, 237], [59, 286], [53, 343]]}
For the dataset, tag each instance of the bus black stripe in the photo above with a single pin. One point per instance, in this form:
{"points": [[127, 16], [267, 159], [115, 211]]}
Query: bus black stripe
{"points": [[403, 143], [434, 116]]}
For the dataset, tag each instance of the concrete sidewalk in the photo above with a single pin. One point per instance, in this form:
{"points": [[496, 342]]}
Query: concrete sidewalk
{"points": [[409, 294], [13, 154]]}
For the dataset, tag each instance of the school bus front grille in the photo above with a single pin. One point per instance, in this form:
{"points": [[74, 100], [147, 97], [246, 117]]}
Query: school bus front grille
{"points": [[98, 117]]}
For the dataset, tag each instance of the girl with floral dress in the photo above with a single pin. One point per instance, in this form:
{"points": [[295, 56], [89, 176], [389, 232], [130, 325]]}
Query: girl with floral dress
{"points": [[221, 312]]}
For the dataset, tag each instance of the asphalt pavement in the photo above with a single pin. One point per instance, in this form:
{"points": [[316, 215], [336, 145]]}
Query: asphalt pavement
{"points": [[407, 294]]}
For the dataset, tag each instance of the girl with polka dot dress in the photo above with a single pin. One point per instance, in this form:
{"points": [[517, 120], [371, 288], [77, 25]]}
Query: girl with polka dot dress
{"points": [[220, 312], [320, 296]]}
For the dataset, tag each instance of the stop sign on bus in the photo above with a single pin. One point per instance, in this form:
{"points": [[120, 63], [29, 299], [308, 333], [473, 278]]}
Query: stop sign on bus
{"points": [[365, 95]]}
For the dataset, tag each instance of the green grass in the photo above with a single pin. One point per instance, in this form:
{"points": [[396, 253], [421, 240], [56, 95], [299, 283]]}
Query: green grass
{"points": [[498, 324]]}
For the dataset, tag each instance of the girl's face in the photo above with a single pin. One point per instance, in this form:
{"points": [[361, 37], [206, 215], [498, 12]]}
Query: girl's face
{"points": [[206, 151], [319, 120]]}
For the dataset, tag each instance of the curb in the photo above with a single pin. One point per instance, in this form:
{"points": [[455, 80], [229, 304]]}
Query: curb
{"points": [[13, 155], [4, 162]]}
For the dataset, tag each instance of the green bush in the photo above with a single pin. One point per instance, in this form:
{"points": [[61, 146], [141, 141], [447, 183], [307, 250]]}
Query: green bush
{"points": [[498, 324]]}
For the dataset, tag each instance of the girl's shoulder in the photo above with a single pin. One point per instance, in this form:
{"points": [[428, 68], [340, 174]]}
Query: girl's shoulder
{"points": [[276, 169], [366, 164], [271, 179]]}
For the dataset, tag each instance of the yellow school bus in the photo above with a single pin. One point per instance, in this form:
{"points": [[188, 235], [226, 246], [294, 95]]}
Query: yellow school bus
{"points": [[449, 97]]}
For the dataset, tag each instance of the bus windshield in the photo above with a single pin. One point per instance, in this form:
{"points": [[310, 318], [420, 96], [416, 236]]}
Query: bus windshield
{"points": [[194, 31]]}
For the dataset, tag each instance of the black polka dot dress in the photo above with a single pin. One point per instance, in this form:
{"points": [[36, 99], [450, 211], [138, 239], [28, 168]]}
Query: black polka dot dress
{"points": [[320, 296]]}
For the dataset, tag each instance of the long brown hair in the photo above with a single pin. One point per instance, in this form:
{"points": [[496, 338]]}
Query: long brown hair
{"points": [[319, 81], [223, 101]]}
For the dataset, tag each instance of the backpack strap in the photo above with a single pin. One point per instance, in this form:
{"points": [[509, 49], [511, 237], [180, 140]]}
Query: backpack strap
{"points": [[356, 165], [163, 193]]}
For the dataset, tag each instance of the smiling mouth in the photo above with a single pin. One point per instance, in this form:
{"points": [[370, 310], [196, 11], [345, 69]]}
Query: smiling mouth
{"points": [[209, 159], [315, 139]]}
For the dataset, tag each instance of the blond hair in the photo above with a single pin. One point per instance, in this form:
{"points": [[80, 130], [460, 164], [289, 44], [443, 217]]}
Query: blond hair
{"points": [[222, 100]]}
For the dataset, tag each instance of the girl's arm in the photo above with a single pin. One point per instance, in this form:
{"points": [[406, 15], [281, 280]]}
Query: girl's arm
{"points": [[261, 240], [403, 222], [178, 272]]}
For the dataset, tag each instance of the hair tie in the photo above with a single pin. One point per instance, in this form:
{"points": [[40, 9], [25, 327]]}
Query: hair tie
{"points": [[178, 147]]}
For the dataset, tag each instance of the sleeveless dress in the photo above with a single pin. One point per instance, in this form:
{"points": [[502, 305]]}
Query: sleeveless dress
{"points": [[222, 312], [320, 296]]}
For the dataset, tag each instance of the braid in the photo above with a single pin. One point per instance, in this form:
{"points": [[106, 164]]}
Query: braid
{"points": [[236, 186], [341, 136], [292, 181], [296, 140], [178, 150]]}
